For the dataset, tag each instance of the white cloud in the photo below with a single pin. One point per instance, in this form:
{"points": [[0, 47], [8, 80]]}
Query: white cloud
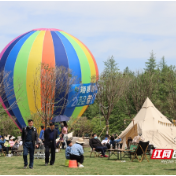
{"points": [[123, 29]]}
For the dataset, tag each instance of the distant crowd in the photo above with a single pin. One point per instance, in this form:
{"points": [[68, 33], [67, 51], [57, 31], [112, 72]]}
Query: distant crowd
{"points": [[48, 139]]}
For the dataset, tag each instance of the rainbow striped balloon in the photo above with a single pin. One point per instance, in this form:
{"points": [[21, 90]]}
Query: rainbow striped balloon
{"points": [[51, 46]]}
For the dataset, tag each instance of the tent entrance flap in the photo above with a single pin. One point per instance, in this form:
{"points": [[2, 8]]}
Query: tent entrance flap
{"points": [[132, 133]]}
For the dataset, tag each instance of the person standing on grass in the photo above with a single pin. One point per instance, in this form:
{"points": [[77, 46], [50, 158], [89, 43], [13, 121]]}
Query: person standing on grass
{"points": [[64, 129], [50, 136], [29, 137], [41, 136], [64, 132]]}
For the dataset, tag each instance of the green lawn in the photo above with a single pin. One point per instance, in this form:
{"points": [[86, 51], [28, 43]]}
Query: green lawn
{"points": [[93, 166]]}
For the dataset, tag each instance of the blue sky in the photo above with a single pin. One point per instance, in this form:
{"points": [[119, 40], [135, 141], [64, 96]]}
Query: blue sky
{"points": [[127, 30]]}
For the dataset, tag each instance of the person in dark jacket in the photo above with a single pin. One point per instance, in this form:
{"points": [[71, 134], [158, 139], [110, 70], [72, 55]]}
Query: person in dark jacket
{"points": [[50, 136], [95, 144], [29, 137]]}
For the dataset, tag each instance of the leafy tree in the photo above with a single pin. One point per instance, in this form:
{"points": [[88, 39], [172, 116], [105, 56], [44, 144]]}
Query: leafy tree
{"points": [[7, 126], [96, 127], [110, 66], [81, 127], [120, 96], [162, 64], [151, 64], [111, 86], [128, 71], [92, 111]]}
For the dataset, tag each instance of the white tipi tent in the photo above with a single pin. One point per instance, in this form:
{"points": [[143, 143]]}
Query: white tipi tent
{"points": [[153, 126]]}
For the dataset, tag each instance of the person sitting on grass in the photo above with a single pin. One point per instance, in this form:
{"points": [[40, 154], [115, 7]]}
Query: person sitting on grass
{"points": [[61, 140], [96, 145], [77, 152], [68, 149]]}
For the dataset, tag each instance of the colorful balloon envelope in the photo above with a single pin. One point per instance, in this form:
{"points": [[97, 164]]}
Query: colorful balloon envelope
{"points": [[21, 57]]}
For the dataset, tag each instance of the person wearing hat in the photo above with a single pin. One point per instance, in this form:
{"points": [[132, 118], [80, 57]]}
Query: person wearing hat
{"points": [[29, 138], [76, 152], [12, 142], [50, 136]]}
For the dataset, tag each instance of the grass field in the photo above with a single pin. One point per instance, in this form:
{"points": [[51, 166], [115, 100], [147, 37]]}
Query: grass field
{"points": [[93, 166]]}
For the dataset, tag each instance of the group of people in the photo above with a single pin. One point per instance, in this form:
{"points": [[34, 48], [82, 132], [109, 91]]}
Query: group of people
{"points": [[76, 151], [47, 138], [7, 142], [109, 141]]}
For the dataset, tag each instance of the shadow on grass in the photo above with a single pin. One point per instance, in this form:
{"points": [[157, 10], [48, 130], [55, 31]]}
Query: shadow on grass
{"points": [[21, 168], [63, 166], [49, 165], [41, 165], [171, 169]]}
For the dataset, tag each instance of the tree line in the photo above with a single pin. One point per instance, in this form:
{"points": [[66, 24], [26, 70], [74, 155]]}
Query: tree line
{"points": [[121, 95]]}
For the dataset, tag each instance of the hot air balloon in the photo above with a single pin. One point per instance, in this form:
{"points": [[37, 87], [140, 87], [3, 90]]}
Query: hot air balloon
{"points": [[21, 57]]}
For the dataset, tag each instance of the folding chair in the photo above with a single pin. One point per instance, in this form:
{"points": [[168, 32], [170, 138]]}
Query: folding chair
{"points": [[96, 153], [150, 147], [127, 153], [140, 150]]}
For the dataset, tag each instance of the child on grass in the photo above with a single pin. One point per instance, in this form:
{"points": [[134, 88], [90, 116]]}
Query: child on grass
{"points": [[68, 149]]}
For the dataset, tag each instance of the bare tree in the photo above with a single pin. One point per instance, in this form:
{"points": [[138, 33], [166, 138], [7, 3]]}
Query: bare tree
{"points": [[111, 87], [7, 92], [52, 86]]}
